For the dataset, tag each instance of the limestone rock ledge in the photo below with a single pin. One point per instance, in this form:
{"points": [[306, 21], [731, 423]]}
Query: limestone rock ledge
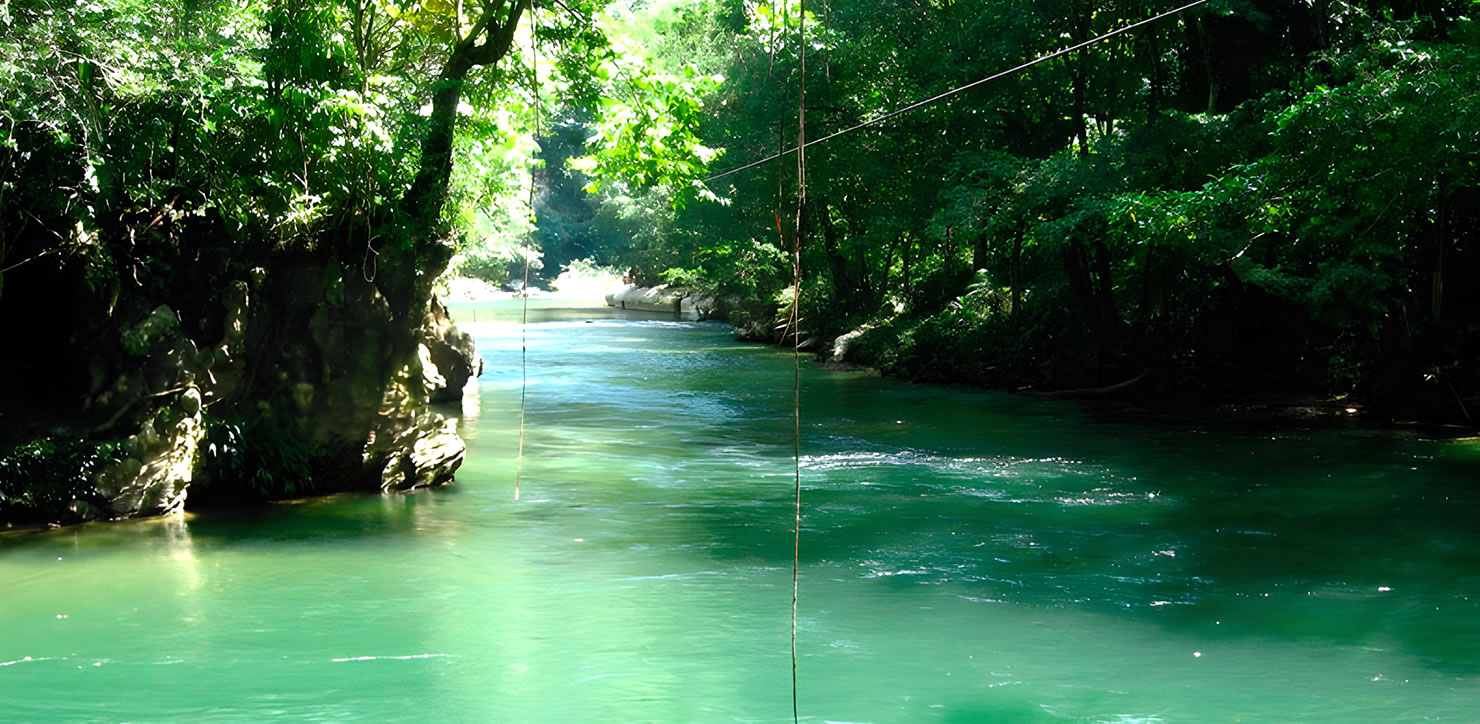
{"points": [[425, 454], [292, 388], [843, 342], [449, 356], [158, 464], [663, 298], [155, 464]]}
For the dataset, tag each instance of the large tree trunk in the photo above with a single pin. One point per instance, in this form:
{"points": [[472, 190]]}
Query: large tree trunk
{"points": [[1080, 33], [1192, 81], [907, 248], [844, 287], [1088, 270], [486, 44], [1323, 23], [1106, 317], [1305, 26], [1016, 278], [361, 360], [1232, 47], [423, 201], [416, 260], [1154, 92], [1215, 91], [1077, 271]]}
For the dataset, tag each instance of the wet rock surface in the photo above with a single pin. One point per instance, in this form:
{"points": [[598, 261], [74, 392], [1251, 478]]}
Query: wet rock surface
{"points": [[449, 356], [159, 463], [664, 298], [283, 382]]}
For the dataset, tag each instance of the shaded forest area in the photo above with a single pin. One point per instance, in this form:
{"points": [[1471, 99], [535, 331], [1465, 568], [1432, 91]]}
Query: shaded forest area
{"points": [[1257, 199]]}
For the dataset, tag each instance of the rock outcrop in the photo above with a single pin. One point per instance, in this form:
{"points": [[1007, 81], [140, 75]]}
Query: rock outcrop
{"points": [[157, 465], [663, 298], [362, 406], [158, 383], [278, 382], [755, 330], [841, 344], [449, 356], [424, 454]]}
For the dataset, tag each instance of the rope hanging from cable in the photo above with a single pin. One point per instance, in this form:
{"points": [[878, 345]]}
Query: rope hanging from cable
{"points": [[796, 346], [534, 73]]}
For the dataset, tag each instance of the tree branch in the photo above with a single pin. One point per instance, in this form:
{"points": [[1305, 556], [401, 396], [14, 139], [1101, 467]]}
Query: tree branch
{"points": [[500, 36]]}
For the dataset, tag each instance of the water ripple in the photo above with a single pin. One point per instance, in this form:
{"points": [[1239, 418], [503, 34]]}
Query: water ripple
{"points": [[396, 658]]}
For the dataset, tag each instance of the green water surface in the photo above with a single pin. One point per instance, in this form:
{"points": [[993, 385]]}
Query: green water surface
{"points": [[967, 556]]}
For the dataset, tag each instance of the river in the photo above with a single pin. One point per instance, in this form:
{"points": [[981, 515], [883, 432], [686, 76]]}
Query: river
{"points": [[966, 556]]}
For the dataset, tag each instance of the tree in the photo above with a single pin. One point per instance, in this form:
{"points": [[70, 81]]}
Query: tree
{"points": [[1227, 197], [245, 206]]}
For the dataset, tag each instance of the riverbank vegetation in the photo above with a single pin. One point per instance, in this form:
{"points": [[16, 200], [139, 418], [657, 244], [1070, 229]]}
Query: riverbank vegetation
{"points": [[1253, 198], [221, 223]]}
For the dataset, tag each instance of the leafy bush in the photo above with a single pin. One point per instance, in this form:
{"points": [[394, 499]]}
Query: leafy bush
{"points": [[257, 457], [684, 278], [40, 480], [938, 280]]}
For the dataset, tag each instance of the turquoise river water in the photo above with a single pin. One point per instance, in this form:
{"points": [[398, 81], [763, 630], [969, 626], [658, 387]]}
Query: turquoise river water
{"points": [[967, 556]]}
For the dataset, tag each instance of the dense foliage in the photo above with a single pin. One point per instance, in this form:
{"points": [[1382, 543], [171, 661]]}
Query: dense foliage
{"points": [[66, 465], [1254, 196], [224, 219]]}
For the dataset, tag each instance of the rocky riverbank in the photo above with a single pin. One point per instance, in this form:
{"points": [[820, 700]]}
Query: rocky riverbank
{"points": [[277, 383]]}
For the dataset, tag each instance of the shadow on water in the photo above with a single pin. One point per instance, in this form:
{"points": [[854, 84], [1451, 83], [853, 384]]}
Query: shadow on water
{"points": [[335, 521]]}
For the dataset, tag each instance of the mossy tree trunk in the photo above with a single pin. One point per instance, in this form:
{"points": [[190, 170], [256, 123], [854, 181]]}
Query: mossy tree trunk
{"points": [[421, 255]]}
